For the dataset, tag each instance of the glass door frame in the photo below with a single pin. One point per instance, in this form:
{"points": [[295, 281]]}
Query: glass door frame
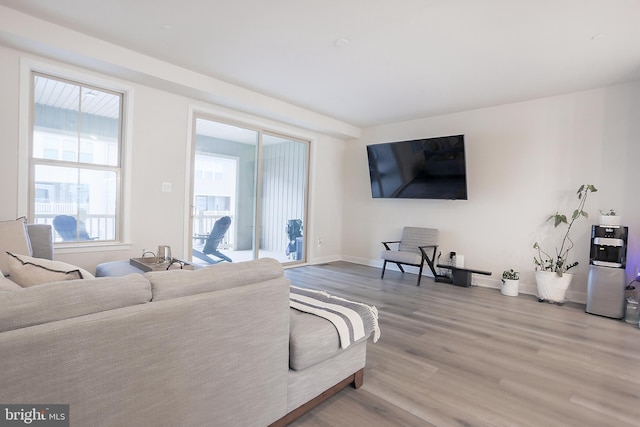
{"points": [[258, 196]]}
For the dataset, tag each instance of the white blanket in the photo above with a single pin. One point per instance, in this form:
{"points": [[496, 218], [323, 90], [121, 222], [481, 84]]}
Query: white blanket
{"points": [[353, 320]]}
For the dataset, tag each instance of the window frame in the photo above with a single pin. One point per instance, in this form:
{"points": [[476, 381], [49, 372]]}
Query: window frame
{"points": [[26, 186]]}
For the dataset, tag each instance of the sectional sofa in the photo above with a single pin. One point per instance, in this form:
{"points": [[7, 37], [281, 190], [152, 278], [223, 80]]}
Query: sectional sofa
{"points": [[219, 346]]}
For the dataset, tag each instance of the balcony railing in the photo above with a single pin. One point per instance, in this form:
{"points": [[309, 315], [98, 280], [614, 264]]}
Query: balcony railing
{"points": [[99, 226], [103, 226]]}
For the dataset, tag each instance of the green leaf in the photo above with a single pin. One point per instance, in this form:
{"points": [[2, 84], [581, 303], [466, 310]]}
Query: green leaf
{"points": [[559, 219], [576, 214]]}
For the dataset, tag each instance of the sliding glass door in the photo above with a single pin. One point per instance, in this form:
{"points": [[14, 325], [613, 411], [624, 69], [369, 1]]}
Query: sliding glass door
{"points": [[249, 194], [283, 201]]}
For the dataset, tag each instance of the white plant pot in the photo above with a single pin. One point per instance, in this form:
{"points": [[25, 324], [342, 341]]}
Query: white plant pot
{"points": [[552, 287], [610, 220], [510, 287]]}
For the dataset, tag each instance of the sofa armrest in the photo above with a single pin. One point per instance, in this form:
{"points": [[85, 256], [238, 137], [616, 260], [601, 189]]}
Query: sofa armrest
{"points": [[41, 237]]}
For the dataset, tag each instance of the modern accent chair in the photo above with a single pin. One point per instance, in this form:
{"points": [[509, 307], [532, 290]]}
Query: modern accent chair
{"points": [[416, 246], [220, 228], [70, 229]]}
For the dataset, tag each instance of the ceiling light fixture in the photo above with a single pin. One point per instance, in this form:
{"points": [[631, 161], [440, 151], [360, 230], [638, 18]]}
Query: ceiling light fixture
{"points": [[597, 36], [166, 27], [342, 42]]}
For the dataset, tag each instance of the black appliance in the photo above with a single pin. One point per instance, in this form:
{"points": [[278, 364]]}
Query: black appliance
{"points": [[607, 279], [430, 168]]}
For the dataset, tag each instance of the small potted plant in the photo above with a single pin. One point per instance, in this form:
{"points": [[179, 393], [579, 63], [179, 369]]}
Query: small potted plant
{"points": [[609, 218], [510, 283]]}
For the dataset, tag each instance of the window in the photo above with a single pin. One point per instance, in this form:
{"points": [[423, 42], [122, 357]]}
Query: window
{"points": [[75, 159]]}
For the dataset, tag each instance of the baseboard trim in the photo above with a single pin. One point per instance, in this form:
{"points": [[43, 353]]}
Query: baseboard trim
{"points": [[324, 260], [481, 281]]}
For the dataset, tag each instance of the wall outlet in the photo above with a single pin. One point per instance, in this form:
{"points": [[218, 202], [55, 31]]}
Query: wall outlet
{"points": [[319, 241], [166, 187]]}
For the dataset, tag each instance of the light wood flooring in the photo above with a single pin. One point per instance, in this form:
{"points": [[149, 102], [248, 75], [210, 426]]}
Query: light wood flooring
{"points": [[452, 356]]}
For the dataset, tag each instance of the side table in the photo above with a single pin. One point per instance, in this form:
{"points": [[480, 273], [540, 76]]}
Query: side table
{"points": [[461, 276]]}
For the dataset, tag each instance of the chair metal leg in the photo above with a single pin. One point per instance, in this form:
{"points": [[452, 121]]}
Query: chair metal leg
{"points": [[400, 266], [420, 273], [384, 266]]}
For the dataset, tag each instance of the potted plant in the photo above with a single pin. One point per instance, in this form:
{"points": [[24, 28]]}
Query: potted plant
{"points": [[552, 278], [510, 283], [609, 218]]}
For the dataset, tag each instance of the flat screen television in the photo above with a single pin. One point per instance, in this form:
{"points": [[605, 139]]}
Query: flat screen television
{"points": [[430, 168]]}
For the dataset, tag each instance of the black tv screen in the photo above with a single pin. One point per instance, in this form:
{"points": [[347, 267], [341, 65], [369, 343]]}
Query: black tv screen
{"points": [[431, 168]]}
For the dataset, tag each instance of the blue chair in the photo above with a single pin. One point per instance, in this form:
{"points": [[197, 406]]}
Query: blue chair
{"points": [[70, 229], [220, 228]]}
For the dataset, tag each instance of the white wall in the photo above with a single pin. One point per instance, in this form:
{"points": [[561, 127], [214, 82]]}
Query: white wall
{"points": [[159, 148], [9, 113], [326, 206], [524, 162]]}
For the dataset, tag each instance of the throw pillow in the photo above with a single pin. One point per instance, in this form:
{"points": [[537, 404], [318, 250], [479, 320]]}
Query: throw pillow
{"points": [[29, 271], [13, 238]]}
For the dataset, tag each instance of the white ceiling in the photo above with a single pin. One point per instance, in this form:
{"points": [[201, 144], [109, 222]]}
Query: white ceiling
{"points": [[405, 58]]}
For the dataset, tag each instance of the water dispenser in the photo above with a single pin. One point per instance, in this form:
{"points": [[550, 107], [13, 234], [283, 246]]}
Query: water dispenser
{"points": [[607, 278]]}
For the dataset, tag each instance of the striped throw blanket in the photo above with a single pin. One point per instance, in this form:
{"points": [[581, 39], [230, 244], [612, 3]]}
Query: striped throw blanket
{"points": [[353, 320]]}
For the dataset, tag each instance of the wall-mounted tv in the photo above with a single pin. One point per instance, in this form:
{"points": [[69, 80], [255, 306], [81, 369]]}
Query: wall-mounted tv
{"points": [[431, 168]]}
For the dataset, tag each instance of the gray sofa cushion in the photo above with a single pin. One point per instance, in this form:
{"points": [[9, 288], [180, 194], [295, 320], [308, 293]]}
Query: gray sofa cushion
{"points": [[41, 240], [50, 302], [401, 257], [13, 238], [179, 283], [311, 382], [312, 339]]}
